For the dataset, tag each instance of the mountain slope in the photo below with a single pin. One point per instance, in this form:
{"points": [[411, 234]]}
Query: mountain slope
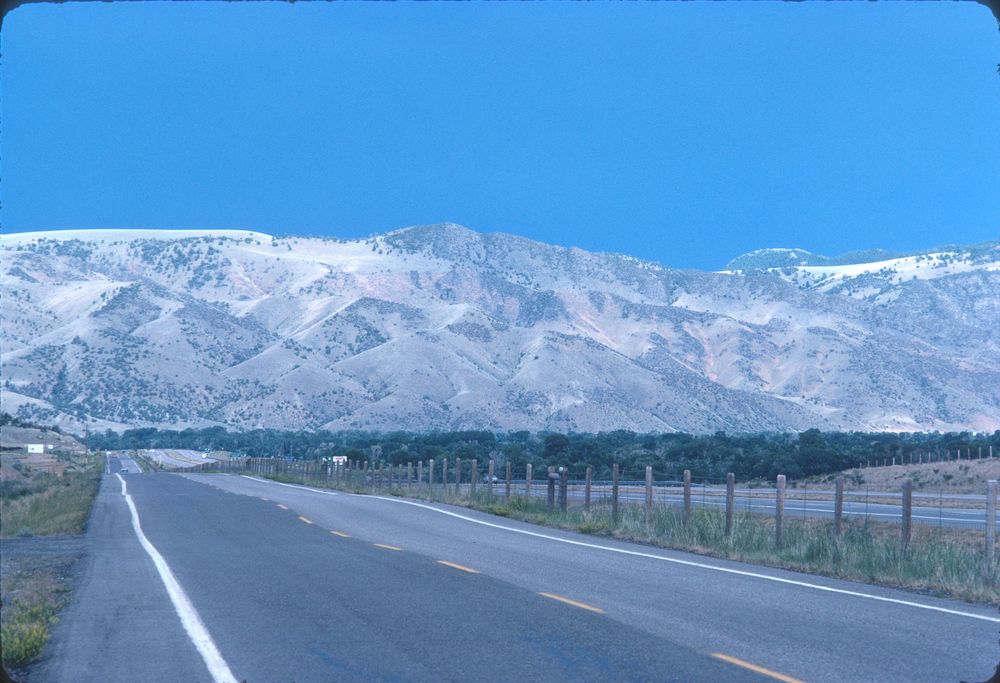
{"points": [[440, 327]]}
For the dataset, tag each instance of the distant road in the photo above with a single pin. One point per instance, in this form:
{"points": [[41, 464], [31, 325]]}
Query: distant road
{"points": [[176, 458], [116, 463], [292, 584]]}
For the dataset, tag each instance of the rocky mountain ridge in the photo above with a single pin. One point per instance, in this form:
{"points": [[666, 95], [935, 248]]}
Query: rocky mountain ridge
{"points": [[440, 327]]}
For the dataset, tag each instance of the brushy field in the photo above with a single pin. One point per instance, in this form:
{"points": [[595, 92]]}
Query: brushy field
{"points": [[940, 561], [955, 476], [33, 587], [34, 590], [48, 504]]}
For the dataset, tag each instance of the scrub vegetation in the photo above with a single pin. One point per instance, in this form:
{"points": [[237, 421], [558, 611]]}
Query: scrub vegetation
{"points": [[34, 590], [41, 504], [39, 513]]}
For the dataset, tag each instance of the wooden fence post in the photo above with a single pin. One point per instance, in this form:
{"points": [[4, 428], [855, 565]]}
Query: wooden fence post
{"points": [[991, 524], [490, 476], [420, 473], [409, 476], [614, 493], [838, 506], [527, 481], [904, 529], [586, 490], [475, 476], [458, 476], [444, 475], [687, 496], [430, 474], [550, 487], [730, 501], [649, 496], [563, 488], [779, 509], [506, 492]]}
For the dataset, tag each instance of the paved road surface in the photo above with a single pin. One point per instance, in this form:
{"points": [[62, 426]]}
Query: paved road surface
{"points": [[177, 458], [118, 462], [286, 599]]}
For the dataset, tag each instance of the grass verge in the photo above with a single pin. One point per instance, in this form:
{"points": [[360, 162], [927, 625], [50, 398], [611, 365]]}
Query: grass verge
{"points": [[33, 594], [35, 581], [49, 504]]}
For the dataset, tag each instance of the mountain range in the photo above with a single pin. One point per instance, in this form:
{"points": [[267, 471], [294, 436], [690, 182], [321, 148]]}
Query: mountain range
{"points": [[439, 327]]}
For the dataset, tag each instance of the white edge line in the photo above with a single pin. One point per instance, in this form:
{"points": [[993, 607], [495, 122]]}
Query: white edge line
{"points": [[189, 617], [291, 486], [700, 565], [636, 553]]}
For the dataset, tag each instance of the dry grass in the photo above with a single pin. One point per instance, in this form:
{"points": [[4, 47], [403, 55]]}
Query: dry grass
{"points": [[35, 584], [52, 505], [956, 476], [35, 587]]}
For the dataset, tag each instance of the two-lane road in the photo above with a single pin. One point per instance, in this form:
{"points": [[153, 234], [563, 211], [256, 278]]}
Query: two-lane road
{"points": [[292, 584], [117, 463]]}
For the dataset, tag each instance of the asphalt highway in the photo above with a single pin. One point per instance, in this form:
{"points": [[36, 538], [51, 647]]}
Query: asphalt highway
{"points": [[284, 583], [177, 458], [117, 463]]}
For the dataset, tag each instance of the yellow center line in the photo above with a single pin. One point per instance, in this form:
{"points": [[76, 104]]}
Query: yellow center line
{"points": [[307, 521], [460, 567], [581, 605], [340, 533], [385, 547], [283, 507], [757, 669]]}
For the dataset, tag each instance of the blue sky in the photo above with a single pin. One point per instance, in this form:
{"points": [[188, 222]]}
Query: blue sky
{"points": [[682, 132]]}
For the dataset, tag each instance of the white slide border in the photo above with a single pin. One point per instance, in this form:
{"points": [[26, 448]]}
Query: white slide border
{"points": [[189, 617]]}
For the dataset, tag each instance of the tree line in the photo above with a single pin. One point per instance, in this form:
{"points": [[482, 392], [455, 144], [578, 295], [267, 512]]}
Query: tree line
{"points": [[709, 457]]}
